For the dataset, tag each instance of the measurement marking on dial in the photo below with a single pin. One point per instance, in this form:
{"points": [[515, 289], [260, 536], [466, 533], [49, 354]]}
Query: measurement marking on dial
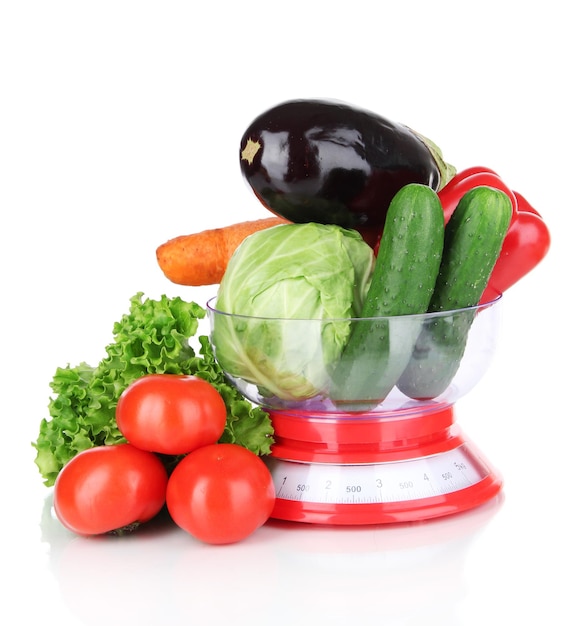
{"points": [[396, 481]]}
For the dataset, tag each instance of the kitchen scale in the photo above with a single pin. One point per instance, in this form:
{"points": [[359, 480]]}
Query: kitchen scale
{"points": [[405, 460], [374, 469]]}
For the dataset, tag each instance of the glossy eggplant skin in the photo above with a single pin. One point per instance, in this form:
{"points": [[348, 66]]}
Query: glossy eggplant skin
{"points": [[331, 162]]}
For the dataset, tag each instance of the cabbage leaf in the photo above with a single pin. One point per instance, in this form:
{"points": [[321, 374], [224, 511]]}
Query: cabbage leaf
{"points": [[290, 290]]}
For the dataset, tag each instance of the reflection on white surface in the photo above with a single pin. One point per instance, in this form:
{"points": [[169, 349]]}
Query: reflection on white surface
{"points": [[283, 574]]}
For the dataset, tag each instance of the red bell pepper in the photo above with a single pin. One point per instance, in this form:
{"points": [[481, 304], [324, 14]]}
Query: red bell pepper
{"points": [[465, 180], [527, 242], [528, 238]]}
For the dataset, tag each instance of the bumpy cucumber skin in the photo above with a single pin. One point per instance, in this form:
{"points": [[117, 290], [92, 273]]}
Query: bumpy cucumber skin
{"points": [[402, 284], [473, 239], [409, 254]]}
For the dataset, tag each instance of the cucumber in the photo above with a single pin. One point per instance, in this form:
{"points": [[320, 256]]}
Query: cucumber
{"points": [[473, 239], [402, 284]]}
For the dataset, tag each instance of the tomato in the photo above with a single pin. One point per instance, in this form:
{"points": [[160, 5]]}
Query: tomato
{"points": [[220, 493], [108, 488], [171, 414]]}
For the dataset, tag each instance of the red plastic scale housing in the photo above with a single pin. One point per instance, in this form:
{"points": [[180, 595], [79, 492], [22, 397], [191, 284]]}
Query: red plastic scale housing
{"points": [[377, 442]]}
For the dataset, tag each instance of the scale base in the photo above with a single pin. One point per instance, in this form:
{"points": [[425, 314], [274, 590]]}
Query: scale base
{"points": [[370, 472]]}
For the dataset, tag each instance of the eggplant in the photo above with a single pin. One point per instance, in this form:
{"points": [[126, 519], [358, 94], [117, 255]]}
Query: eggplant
{"points": [[330, 162]]}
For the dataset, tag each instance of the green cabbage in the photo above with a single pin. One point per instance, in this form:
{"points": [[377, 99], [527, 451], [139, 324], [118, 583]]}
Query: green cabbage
{"points": [[279, 285]]}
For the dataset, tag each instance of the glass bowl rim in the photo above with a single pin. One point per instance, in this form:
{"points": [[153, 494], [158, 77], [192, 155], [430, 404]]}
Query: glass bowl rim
{"points": [[210, 305]]}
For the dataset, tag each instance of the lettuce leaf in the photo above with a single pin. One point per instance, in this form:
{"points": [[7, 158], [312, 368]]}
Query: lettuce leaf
{"points": [[153, 338]]}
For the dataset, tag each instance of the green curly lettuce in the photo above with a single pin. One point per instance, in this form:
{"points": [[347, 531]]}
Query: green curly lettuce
{"points": [[154, 338]]}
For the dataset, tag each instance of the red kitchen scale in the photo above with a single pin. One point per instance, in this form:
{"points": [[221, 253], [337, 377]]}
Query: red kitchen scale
{"points": [[404, 460], [376, 468]]}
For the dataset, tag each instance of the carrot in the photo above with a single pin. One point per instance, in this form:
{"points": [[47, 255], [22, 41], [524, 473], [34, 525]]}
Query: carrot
{"points": [[201, 258]]}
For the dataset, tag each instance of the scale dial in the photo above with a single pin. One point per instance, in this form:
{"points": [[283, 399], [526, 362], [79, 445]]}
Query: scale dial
{"points": [[398, 481]]}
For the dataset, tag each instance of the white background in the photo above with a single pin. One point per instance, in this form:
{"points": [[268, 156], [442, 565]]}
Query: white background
{"points": [[119, 129]]}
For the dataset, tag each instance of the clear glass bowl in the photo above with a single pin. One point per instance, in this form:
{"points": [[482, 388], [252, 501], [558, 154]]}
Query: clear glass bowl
{"points": [[403, 364]]}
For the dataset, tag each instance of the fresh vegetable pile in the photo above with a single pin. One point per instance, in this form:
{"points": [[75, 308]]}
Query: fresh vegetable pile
{"points": [[359, 353], [152, 390], [154, 338], [370, 225]]}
